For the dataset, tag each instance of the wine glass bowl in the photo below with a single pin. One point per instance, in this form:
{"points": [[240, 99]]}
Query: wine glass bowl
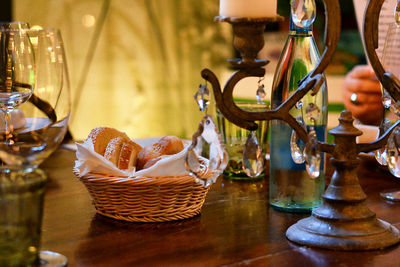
{"points": [[16, 73], [40, 115]]}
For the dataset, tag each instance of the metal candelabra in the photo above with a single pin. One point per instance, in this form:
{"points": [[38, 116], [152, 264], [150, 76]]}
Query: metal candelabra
{"points": [[343, 221]]}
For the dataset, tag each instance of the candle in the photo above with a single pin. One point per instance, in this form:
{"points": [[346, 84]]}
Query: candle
{"points": [[247, 8]]}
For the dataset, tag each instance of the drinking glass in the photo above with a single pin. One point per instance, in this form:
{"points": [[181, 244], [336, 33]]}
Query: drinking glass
{"points": [[38, 122], [21, 203], [391, 63], [235, 137]]}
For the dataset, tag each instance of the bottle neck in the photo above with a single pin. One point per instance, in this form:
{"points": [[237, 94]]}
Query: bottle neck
{"points": [[296, 30]]}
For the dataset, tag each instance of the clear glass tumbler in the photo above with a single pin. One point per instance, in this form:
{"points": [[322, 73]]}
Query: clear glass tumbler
{"points": [[235, 139], [21, 204]]}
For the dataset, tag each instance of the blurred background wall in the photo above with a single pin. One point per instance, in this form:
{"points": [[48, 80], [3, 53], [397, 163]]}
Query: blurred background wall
{"points": [[135, 64]]}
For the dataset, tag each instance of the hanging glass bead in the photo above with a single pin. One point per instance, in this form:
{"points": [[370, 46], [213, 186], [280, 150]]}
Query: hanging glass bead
{"points": [[206, 158], [202, 97], [393, 148], [297, 145], [312, 112], [260, 94], [381, 153], [313, 155], [386, 99], [253, 161], [299, 104]]}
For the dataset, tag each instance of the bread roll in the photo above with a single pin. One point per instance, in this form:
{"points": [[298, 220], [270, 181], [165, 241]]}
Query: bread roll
{"points": [[167, 145], [128, 156], [101, 136], [115, 146], [113, 150]]}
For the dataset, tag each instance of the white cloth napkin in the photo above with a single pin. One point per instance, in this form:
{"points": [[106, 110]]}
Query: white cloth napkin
{"points": [[90, 161]]}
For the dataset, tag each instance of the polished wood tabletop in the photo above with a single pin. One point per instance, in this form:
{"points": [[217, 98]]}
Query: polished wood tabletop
{"points": [[236, 227]]}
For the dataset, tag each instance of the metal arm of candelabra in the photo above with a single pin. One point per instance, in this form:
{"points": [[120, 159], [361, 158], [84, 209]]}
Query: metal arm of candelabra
{"points": [[343, 221]]}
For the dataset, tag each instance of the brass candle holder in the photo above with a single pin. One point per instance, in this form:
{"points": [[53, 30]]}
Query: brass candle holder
{"points": [[343, 221]]}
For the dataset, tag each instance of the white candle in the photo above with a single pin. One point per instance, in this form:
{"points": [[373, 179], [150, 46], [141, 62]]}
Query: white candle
{"points": [[247, 8]]}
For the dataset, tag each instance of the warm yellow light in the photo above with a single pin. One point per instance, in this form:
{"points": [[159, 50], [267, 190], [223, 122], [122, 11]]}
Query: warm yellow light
{"points": [[36, 27], [88, 20]]}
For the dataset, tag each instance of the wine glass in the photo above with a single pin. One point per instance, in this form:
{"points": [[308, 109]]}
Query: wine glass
{"points": [[38, 121], [16, 74], [391, 63], [45, 116]]}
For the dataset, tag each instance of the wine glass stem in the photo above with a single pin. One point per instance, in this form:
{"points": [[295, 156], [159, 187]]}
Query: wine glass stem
{"points": [[7, 126]]}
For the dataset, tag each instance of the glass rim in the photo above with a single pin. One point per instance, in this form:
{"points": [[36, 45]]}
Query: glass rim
{"points": [[262, 104], [56, 31], [253, 106]]}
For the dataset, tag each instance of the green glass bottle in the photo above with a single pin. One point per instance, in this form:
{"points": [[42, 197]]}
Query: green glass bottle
{"points": [[291, 188]]}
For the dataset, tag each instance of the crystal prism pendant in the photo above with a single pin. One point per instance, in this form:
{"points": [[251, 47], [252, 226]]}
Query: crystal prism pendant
{"points": [[297, 145], [381, 153], [299, 104], [312, 112], [202, 97], [389, 103], [206, 158], [386, 99], [303, 12], [260, 94], [312, 155], [393, 148], [253, 161]]}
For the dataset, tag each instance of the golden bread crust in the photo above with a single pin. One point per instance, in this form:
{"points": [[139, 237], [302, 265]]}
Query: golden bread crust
{"points": [[101, 136], [115, 146], [113, 149], [167, 145], [128, 156]]}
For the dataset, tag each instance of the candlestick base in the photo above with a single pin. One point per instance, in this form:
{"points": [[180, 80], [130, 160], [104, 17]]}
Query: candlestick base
{"points": [[355, 235], [343, 221], [339, 235]]}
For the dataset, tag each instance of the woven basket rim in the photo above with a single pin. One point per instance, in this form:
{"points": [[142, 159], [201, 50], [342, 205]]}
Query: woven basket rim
{"points": [[94, 177]]}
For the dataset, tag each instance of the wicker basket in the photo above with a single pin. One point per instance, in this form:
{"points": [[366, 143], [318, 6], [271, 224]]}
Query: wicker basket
{"points": [[145, 199]]}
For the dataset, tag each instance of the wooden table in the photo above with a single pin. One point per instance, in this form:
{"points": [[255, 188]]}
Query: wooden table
{"points": [[236, 227]]}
